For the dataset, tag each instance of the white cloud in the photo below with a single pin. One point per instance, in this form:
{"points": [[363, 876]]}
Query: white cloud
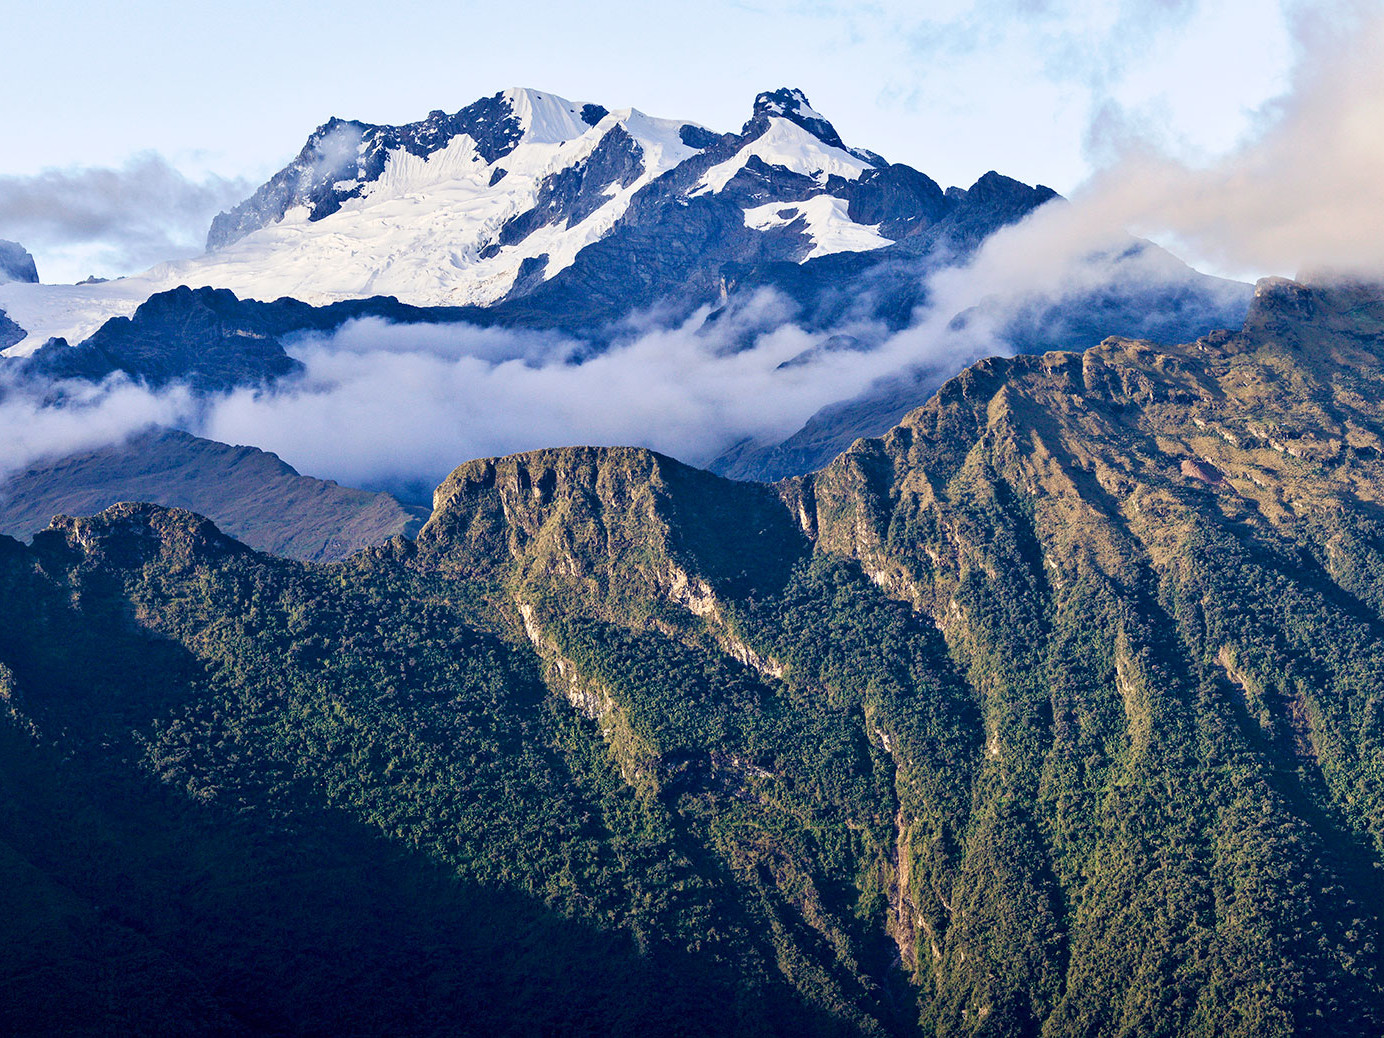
{"points": [[110, 221], [1305, 193], [393, 405], [48, 420], [384, 404]]}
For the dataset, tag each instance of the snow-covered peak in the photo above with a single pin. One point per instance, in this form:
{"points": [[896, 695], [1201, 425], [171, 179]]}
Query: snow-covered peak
{"points": [[792, 104], [787, 145], [545, 118], [488, 203], [452, 209], [663, 141]]}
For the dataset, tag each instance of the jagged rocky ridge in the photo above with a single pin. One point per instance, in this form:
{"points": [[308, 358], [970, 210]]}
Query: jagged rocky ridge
{"points": [[1171, 306], [1052, 711]]}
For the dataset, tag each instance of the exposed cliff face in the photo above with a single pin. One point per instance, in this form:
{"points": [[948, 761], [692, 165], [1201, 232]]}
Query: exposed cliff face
{"points": [[1052, 711], [16, 264]]}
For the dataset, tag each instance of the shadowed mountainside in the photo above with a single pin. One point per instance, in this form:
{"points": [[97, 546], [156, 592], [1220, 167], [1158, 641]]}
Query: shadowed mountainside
{"points": [[250, 493]]}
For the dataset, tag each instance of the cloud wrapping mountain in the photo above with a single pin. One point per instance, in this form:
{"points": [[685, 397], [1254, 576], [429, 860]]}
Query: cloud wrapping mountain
{"points": [[390, 405], [724, 306], [47, 420]]}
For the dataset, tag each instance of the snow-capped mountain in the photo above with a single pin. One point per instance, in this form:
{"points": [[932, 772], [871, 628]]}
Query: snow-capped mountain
{"points": [[485, 204], [501, 197], [569, 213], [526, 196], [454, 209], [526, 211]]}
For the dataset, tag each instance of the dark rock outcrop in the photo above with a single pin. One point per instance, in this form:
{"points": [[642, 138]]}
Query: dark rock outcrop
{"points": [[16, 264], [10, 332]]}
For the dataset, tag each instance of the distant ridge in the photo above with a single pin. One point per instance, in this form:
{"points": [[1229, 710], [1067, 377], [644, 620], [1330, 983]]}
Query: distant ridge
{"points": [[249, 493]]}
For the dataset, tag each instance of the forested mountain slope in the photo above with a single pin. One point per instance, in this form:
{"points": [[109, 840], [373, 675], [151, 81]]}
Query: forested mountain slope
{"points": [[1054, 711]]}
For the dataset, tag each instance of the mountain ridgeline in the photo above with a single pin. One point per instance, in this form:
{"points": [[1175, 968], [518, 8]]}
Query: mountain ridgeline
{"points": [[1054, 711], [530, 211], [550, 213], [532, 214], [570, 215], [249, 493]]}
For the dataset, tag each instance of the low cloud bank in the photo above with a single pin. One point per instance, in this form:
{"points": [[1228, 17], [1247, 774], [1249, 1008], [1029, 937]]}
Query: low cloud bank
{"points": [[57, 419], [382, 405]]}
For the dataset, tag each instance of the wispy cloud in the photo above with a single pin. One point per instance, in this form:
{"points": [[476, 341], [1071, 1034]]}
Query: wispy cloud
{"points": [[1305, 192], [118, 220], [1070, 40], [38, 421]]}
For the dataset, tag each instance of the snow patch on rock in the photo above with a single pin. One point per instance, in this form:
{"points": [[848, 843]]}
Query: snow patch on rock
{"points": [[787, 145], [827, 221]]}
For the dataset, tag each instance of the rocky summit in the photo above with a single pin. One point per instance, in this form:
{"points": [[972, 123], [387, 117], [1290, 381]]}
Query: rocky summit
{"points": [[512, 192], [1052, 711]]}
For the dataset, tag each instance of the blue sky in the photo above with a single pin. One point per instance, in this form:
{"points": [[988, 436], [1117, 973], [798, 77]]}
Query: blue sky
{"points": [[220, 95], [1008, 84]]}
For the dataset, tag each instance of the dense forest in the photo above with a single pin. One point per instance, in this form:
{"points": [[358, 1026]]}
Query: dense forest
{"points": [[1058, 710]]}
